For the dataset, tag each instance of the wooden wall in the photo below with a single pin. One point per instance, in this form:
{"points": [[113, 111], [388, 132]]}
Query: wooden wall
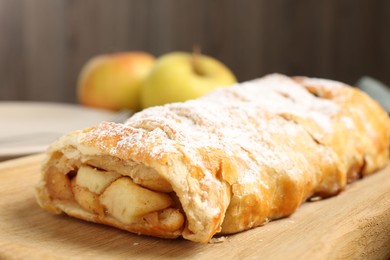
{"points": [[44, 43]]}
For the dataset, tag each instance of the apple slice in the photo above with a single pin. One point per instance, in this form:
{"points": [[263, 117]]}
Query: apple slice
{"points": [[93, 179], [58, 185], [87, 199], [168, 219], [127, 201]]}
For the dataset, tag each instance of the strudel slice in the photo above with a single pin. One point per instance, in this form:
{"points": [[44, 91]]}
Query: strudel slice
{"points": [[227, 162]]}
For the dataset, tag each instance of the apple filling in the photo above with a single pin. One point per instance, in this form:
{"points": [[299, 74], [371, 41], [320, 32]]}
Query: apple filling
{"points": [[115, 199]]}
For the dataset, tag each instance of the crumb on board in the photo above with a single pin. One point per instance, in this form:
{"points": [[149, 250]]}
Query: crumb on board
{"points": [[315, 198], [216, 240]]}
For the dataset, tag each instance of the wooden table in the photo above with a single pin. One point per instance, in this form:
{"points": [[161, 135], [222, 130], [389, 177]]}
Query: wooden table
{"points": [[354, 224]]}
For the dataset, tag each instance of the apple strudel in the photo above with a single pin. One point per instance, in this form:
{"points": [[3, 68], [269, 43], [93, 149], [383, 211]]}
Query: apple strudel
{"points": [[227, 162]]}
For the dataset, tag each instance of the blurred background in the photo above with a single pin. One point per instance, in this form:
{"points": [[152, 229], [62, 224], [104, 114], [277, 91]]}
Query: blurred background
{"points": [[44, 43]]}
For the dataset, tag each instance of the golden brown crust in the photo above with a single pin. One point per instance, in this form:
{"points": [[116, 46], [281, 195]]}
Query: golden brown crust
{"points": [[230, 161], [370, 131]]}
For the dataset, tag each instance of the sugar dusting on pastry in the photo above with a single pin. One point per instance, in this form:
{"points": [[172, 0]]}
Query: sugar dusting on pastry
{"points": [[327, 83], [198, 124], [232, 160]]}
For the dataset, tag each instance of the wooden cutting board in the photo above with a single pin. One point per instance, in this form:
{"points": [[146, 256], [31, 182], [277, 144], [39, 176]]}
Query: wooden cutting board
{"points": [[354, 224]]}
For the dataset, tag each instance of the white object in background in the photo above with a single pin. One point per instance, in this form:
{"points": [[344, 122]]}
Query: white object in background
{"points": [[29, 127], [377, 90]]}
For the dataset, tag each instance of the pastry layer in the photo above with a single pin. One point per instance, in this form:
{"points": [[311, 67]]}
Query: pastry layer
{"points": [[232, 160]]}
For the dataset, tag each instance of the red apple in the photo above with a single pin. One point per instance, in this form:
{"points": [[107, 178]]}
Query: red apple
{"points": [[113, 81]]}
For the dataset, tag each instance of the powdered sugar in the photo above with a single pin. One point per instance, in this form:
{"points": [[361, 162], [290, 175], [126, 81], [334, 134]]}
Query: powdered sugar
{"points": [[252, 117], [327, 83]]}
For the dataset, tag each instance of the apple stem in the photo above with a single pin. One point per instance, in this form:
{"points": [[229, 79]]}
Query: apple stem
{"points": [[196, 53]]}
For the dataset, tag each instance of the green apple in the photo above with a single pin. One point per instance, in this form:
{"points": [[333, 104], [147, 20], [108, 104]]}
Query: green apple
{"points": [[113, 81], [180, 76]]}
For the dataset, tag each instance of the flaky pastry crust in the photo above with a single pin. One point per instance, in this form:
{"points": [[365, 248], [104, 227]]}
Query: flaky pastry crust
{"points": [[232, 160]]}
